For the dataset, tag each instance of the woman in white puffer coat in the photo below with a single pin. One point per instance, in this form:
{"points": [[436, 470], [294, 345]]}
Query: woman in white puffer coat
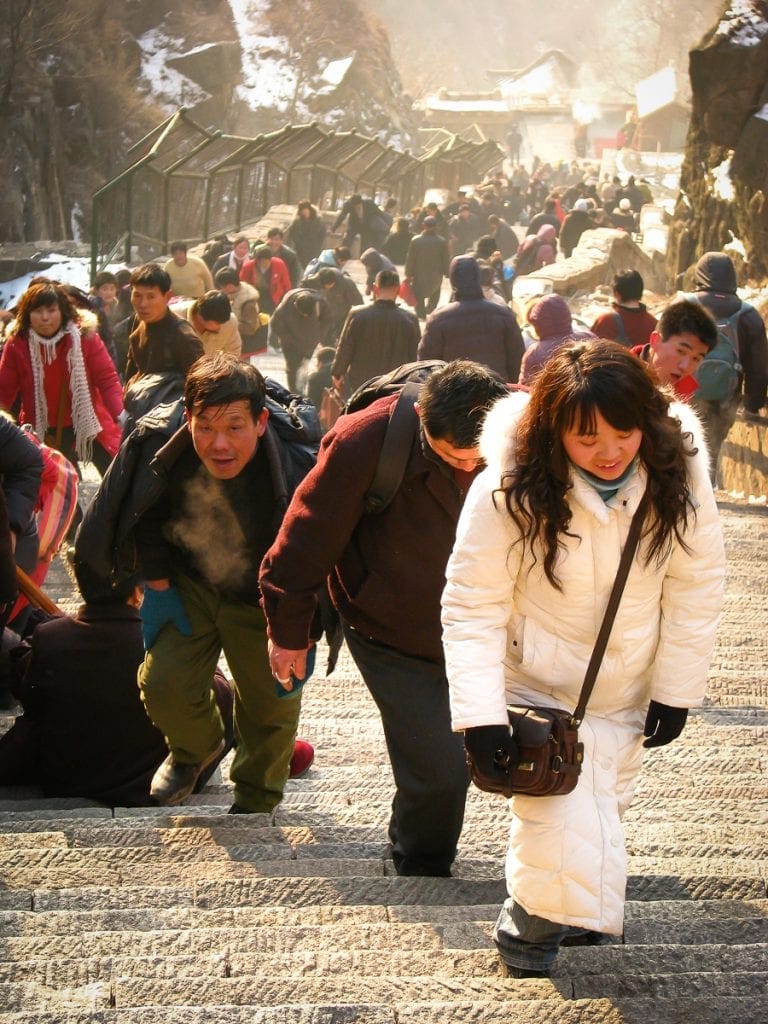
{"points": [[536, 553]]}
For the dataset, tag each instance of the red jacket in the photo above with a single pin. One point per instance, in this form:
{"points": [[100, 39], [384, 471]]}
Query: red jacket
{"points": [[279, 280], [636, 320], [104, 384], [385, 572]]}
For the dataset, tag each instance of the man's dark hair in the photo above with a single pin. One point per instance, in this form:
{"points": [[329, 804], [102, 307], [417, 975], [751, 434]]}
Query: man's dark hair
{"points": [[342, 252], [95, 589], [387, 279], [275, 232], [453, 401], [325, 355], [220, 379], [628, 285], [305, 303], [226, 276], [151, 275], [263, 253], [178, 246], [485, 246], [104, 277], [214, 305], [686, 317], [494, 218], [326, 276]]}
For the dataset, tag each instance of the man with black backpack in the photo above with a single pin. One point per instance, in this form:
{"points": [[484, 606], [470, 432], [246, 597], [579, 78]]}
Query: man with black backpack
{"points": [[193, 500], [736, 369], [384, 557]]}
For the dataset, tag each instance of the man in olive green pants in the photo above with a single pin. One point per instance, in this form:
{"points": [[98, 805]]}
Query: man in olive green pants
{"points": [[195, 496], [175, 682]]}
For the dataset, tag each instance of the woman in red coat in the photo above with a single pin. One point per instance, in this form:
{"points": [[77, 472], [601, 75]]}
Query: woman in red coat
{"points": [[57, 366], [269, 276]]}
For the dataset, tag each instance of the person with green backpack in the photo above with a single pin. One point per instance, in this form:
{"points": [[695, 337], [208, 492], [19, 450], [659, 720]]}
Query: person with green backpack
{"points": [[736, 369]]}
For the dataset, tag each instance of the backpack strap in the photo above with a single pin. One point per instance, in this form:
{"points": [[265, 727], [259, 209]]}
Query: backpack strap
{"points": [[395, 451], [621, 331]]}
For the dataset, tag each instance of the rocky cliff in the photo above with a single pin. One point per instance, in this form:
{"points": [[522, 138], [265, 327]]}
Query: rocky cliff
{"points": [[724, 182], [81, 82]]}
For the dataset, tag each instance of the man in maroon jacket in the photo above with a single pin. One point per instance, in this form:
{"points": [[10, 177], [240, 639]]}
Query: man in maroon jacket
{"points": [[386, 574]]}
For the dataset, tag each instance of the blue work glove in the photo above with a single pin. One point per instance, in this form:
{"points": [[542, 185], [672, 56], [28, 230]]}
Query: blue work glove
{"points": [[281, 692], [492, 749], [159, 608], [663, 724]]}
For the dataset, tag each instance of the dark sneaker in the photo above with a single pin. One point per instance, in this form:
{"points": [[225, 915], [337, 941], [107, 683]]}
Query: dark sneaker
{"points": [[586, 938], [509, 971], [237, 809], [173, 782]]}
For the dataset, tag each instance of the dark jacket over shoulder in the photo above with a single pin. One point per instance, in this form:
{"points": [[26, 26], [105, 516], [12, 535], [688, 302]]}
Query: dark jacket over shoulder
{"points": [[77, 685], [375, 339], [385, 572], [138, 478], [473, 327]]}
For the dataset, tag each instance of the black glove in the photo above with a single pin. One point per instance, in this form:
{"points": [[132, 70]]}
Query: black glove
{"points": [[663, 724], [492, 748]]}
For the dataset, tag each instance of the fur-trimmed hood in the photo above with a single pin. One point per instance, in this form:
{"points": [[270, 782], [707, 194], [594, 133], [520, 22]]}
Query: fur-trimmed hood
{"points": [[498, 444]]}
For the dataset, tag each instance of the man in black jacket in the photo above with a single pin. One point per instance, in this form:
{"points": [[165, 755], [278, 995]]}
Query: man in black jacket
{"points": [[195, 498], [426, 264], [375, 338], [472, 327]]}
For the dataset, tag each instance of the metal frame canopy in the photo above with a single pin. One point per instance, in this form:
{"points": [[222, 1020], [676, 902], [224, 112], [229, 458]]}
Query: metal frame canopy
{"points": [[188, 182]]}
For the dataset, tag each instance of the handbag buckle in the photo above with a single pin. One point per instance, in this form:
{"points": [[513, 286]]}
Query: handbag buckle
{"points": [[557, 764], [525, 766]]}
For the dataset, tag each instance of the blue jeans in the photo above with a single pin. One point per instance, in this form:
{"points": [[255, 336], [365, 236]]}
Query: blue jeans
{"points": [[527, 941]]}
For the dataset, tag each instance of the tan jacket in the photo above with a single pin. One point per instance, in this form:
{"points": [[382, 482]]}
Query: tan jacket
{"points": [[227, 339]]}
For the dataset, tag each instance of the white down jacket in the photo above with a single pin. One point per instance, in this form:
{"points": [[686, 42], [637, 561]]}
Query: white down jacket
{"points": [[510, 636]]}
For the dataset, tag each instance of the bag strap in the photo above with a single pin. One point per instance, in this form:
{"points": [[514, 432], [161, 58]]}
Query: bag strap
{"points": [[395, 451], [627, 555]]}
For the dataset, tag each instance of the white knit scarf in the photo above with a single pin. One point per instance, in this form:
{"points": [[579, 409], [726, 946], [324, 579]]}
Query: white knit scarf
{"points": [[84, 420]]}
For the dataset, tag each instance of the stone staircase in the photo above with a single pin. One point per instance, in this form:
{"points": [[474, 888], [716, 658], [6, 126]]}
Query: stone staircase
{"points": [[153, 916]]}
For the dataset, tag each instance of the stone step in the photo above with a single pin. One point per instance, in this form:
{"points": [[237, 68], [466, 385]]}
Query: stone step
{"points": [[587, 969], [272, 990], [522, 1010], [78, 911], [645, 810], [644, 849], [350, 991]]}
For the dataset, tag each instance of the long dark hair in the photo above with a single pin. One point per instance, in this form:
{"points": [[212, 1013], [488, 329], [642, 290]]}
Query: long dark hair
{"points": [[577, 382]]}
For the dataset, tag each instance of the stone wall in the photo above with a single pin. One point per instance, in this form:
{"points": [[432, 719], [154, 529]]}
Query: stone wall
{"points": [[744, 458]]}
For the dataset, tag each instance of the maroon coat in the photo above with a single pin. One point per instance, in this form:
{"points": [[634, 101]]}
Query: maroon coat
{"points": [[386, 572]]}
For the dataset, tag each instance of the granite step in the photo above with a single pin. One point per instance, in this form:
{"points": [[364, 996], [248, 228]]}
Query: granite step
{"points": [[521, 1010]]}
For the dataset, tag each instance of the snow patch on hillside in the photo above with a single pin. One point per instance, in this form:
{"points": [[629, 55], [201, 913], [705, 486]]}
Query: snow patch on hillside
{"points": [[169, 87], [268, 78]]}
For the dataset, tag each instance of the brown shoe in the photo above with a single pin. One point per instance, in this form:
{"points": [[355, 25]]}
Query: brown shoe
{"points": [[173, 781]]}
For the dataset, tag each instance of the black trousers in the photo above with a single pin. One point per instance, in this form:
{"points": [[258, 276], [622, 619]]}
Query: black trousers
{"points": [[427, 304], [427, 758]]}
